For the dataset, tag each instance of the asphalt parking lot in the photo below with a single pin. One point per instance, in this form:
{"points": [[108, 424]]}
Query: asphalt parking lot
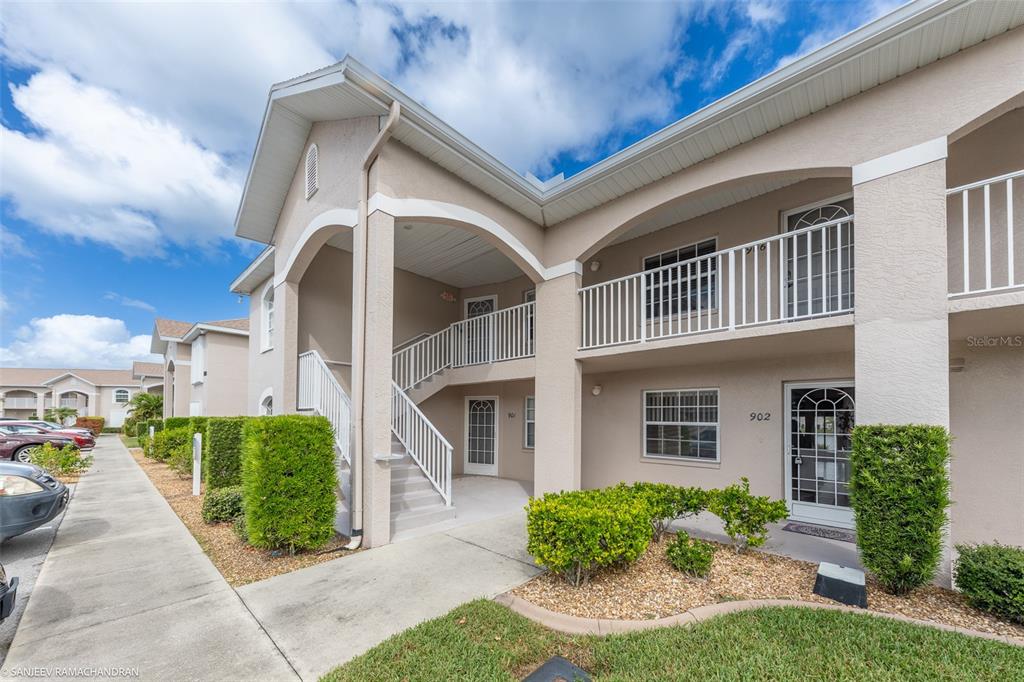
{"points": [[23, 558]]}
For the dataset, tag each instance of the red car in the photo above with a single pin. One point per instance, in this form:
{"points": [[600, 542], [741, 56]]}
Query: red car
{"points": [[17, 440]]}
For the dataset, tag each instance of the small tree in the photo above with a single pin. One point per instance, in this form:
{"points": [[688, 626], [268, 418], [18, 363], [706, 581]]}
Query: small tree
{"points": [[146, 406], [745, 517], [60, 414]]}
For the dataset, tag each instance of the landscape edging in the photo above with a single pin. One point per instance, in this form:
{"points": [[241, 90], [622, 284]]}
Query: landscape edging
{"points": [[574, 625]]}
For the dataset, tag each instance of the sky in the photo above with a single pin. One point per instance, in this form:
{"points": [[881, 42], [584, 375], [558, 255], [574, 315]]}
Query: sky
{"points": [[127, 128]]}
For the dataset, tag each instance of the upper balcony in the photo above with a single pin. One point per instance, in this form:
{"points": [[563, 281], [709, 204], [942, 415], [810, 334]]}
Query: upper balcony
{"points": [[802, 274]]}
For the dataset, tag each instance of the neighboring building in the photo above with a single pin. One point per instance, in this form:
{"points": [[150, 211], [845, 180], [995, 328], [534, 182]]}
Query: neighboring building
{"points": [[29, 392], [205, 366], [682, 311]]}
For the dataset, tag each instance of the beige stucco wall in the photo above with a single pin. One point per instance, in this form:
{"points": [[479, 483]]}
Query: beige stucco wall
{"points": [[987, 423], [510, 293], [447, 411], [613, 421], [263, 372], [227, 375], [885, 119]]}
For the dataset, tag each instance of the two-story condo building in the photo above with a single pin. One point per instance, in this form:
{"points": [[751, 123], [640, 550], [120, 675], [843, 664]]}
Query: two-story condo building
{"points": [[205, 366], [841, 241]]}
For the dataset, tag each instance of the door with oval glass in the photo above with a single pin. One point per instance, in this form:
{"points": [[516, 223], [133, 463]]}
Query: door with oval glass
{"points": [[819, 421], [481, 453]]}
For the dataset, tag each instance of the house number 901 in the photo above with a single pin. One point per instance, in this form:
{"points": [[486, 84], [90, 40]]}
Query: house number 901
{"points": [[760, 416]]}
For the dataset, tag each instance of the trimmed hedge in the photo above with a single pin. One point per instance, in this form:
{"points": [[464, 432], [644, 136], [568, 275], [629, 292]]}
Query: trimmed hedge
{"points": [[745, 517], [222, 459], [669, 503], [176, 422], [992, 579], [180, 459], [692, 556], [577, 532], [899, 490], [167, 441], [288, 481], [111, 429], [94, 424], [222, 504]]}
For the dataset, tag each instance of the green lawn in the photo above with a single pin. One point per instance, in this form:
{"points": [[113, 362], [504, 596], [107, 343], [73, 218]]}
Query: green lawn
{"points": [[129, 442], [483, 640]]}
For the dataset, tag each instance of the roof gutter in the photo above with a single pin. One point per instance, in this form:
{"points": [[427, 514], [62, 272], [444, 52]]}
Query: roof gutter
{"points": [[359, 321]]}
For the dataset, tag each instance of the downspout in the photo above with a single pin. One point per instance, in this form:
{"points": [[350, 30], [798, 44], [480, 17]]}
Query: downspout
{"points": [[359, 349]]}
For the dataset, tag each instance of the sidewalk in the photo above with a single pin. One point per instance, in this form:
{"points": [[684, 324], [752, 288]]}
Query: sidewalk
{"points": [[126, 586]]}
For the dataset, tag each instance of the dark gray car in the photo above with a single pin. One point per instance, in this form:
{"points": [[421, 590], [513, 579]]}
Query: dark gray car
{"points": [[29, 497]]}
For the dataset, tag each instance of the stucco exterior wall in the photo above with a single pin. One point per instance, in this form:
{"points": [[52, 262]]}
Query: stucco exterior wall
{"points": [[510, 293], [987, 470], [885, 119], [263, 372], [227, 375], [613, 421]]}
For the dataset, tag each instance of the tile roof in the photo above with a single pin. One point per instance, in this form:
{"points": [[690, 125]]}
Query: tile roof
{"points": [[149, 369], [172, 328], [239, 323], [35, 376]]}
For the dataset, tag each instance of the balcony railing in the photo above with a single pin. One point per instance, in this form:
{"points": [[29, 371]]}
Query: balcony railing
{"points": [[20, 403], [798, 275], [506, 334], [986, 237]]}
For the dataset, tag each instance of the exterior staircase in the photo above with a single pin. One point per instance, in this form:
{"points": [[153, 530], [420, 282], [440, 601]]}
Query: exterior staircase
{"points": [[414, 501]]}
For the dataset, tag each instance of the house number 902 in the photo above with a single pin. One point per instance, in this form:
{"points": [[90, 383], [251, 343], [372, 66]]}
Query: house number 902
{"points": [[760, 416]]}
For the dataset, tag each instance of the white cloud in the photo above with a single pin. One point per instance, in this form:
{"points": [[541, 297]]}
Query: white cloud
{"points": [[129, 302], [75, 341], [104, 170], [834, 24]]}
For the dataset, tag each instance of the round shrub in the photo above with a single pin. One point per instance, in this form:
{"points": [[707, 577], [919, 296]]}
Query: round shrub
{"points": [[222, 459], [692, 556], [745, 517], [992, 579], [575, 533], [166, 441], [180, 458], [899, 490], [668, 503], [288, 481], [222, 504]]}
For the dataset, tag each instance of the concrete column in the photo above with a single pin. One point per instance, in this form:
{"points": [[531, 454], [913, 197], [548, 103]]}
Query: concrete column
{"points": [[375, 373], [557, 455], [40, 405], [901, 323], [286, 342]]}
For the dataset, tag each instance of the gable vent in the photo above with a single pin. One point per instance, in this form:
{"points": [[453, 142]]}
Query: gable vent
{"points": [[312, 176]]}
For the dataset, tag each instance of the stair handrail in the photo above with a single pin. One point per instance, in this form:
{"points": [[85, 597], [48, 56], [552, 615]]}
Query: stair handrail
{"points": [[430, 450], [420, 361], [320, 391]]}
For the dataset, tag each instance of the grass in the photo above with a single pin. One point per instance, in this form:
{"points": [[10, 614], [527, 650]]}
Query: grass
{"points": [[483, 640], [129, 442]]}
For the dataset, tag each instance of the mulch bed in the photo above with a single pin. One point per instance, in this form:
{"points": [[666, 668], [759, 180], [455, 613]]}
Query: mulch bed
{"points": [[238, 562], [652, 588]]}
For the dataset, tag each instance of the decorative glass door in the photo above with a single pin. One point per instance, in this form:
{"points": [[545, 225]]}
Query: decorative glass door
{"points": [[820, 419], [481, 436], [479, 337], [829, 249]]}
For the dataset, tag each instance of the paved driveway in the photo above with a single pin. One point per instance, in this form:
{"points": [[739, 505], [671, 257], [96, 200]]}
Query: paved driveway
{"points": [[126, 586], [327, 614]]}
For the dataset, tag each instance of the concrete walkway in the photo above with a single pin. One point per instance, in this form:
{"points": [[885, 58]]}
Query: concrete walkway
{"points": [[326, 614], [126, 585]]}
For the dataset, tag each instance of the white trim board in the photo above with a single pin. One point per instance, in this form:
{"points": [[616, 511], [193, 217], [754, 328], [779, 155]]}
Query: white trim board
{"points": [[897, 162]]}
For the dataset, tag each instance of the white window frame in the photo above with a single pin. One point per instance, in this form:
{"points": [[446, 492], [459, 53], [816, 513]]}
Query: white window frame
{"points": [[530, 295], [475, 299], [694, 278], [265, 397], [527, 445], [474, 469], [312, 170], [126, 400], [784, 215], [683, 459], [267, 317]]}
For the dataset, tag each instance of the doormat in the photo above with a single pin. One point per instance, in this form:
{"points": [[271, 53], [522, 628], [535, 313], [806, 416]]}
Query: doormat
{"points": [[841, 534]]}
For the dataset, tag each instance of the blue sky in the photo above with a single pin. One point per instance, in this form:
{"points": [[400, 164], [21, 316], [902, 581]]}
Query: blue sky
{"points": [[127, 129]]}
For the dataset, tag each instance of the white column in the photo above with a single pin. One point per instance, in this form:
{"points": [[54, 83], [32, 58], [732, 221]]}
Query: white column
{"points": [[558, 452], [40, 404]]}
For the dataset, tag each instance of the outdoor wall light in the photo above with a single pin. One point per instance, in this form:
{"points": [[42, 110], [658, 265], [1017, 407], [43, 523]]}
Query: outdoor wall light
{"points": [[595, 265], [596, 389], [511, 415]]}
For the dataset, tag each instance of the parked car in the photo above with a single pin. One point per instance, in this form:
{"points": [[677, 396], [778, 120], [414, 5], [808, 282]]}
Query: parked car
{"points": [[16, 443], [54, 426], [8, 592], [84, 441], [29, 497]]}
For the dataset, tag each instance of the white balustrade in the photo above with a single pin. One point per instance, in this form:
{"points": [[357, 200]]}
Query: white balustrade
{"points": [[320, 391], [422, 360], [424, 443], [796, 275], [986, 235]]}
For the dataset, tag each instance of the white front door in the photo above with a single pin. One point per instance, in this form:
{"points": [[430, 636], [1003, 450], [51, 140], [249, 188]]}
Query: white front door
{"points": [[819, 419], [481, 436], [479, 338]]}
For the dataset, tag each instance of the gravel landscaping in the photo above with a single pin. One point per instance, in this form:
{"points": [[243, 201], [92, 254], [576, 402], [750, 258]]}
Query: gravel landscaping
{"points": [[651, 588], [238, 562]]}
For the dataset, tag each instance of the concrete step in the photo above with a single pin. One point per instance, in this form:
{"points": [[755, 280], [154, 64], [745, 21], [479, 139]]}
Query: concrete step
{"points": [[407, 520], [415, 500], [410, 485]]}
